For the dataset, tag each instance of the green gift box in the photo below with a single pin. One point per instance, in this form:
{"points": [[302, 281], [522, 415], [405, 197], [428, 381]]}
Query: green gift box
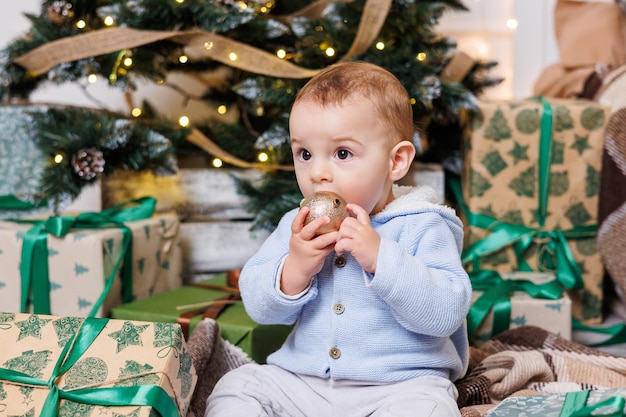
{"points": [[257, 340], [530, 193], [96, 367], [606, 402]]}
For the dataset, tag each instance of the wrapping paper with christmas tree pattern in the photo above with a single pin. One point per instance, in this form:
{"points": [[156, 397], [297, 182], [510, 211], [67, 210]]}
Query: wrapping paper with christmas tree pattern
{"points": [[500, 180], [80, 262], [21, 161], [551, 405], [122, 354], [554, 316]]}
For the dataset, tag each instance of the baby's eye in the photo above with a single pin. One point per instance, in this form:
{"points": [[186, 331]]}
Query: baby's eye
{"points": [[305, 155], [343, 154]]}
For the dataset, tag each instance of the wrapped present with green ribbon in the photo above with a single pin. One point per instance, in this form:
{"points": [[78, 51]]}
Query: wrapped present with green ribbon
{"points": [[257, 340], [503, 301], [530, 193], [67, 366], [86, 264], [587, 403]]}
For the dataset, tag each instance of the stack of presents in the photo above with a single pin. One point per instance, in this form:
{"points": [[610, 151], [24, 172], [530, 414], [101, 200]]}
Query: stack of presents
{"points": [[529, 198], [96, 307]]}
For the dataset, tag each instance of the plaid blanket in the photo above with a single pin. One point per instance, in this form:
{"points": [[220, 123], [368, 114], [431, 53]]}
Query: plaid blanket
{"points": [[531, 361], [612, 203]]}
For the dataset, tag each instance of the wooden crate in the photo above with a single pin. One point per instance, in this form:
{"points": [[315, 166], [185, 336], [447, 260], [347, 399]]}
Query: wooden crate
{"points": [[427, 174], [213, 246]]}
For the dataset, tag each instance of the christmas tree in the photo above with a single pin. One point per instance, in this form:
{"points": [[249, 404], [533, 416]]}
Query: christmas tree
{"points": [[262, 53]]}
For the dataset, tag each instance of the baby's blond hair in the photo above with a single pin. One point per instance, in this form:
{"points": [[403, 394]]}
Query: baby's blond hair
{"points": [[341, 82]]}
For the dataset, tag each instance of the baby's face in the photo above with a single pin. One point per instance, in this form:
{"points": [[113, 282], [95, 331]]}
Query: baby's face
{"points": [[343, 149]]}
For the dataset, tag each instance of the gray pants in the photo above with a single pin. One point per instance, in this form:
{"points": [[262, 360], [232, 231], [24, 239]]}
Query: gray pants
{"points": [[268, 391]]}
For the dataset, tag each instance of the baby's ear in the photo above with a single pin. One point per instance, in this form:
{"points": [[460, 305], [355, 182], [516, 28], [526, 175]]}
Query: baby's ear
{"points": [[401, 158]]}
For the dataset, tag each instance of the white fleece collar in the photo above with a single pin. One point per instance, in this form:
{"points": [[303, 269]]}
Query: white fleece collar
{"points": [[410, 198]]}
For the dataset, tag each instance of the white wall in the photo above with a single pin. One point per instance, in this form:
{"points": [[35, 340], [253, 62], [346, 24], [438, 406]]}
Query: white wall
{"points": [[522, 52]]}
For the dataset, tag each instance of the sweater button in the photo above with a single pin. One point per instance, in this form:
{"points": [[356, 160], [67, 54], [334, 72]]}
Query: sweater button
{"points": [[340, 262], [338, 308], [335, 353]]}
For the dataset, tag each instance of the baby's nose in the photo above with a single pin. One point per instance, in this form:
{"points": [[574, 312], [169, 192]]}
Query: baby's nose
{"points": [[320, 171]]}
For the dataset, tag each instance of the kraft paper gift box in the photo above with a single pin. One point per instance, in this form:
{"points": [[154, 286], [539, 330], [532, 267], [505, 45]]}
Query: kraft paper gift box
{"points": [[81, 263], [530, 187], [257, 340], [68, 366], [530, 298], [606, 402]]}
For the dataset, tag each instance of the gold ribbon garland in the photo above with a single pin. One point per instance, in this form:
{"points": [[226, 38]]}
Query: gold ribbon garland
{"points": [[207, 44], [203, 44]]}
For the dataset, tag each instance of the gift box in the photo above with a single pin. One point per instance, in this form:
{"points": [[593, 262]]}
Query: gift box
{"points": [[511, 300], [85, 267], [71, 366], [563, 404], [530, 193], [257, 340]]}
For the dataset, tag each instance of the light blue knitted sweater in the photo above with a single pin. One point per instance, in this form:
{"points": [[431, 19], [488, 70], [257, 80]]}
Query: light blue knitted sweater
{"points": [[405, 321]]}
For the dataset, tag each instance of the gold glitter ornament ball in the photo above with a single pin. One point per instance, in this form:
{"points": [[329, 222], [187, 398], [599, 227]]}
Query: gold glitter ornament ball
{"points": [[325, 203]]}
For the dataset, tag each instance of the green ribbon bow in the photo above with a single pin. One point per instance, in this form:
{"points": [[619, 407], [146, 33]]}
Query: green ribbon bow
{"points": [[496, 297], [142, 395], [34, 271], [554, 253], [575, 405]]}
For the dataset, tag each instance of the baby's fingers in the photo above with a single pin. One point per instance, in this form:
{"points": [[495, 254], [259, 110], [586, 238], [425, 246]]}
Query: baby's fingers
{"points": [[298, 222], [360, 213], [309, 231]]}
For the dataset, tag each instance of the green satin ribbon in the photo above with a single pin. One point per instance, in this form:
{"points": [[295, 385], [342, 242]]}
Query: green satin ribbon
{"points": [[496, 297], [12, 202], [616, 332], [34, 271], [575, 406], [142, 395], [554, 252]]}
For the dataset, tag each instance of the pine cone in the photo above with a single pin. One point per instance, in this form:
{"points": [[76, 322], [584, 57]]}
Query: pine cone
{"points": [[88, 163]]}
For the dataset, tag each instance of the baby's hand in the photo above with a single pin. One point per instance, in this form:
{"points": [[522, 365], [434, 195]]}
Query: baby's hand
{"points": [[307, 251], [358, 237]]}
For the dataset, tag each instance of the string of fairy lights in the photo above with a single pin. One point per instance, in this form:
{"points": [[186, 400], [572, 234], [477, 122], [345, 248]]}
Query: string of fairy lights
{"points": [[124, 62], [61, 11]]}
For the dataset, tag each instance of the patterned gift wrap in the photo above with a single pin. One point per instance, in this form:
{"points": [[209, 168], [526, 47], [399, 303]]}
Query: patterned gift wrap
{"points": [[530, 300], [81, 263], [67, 366], [532, 172], [607, 402]]}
